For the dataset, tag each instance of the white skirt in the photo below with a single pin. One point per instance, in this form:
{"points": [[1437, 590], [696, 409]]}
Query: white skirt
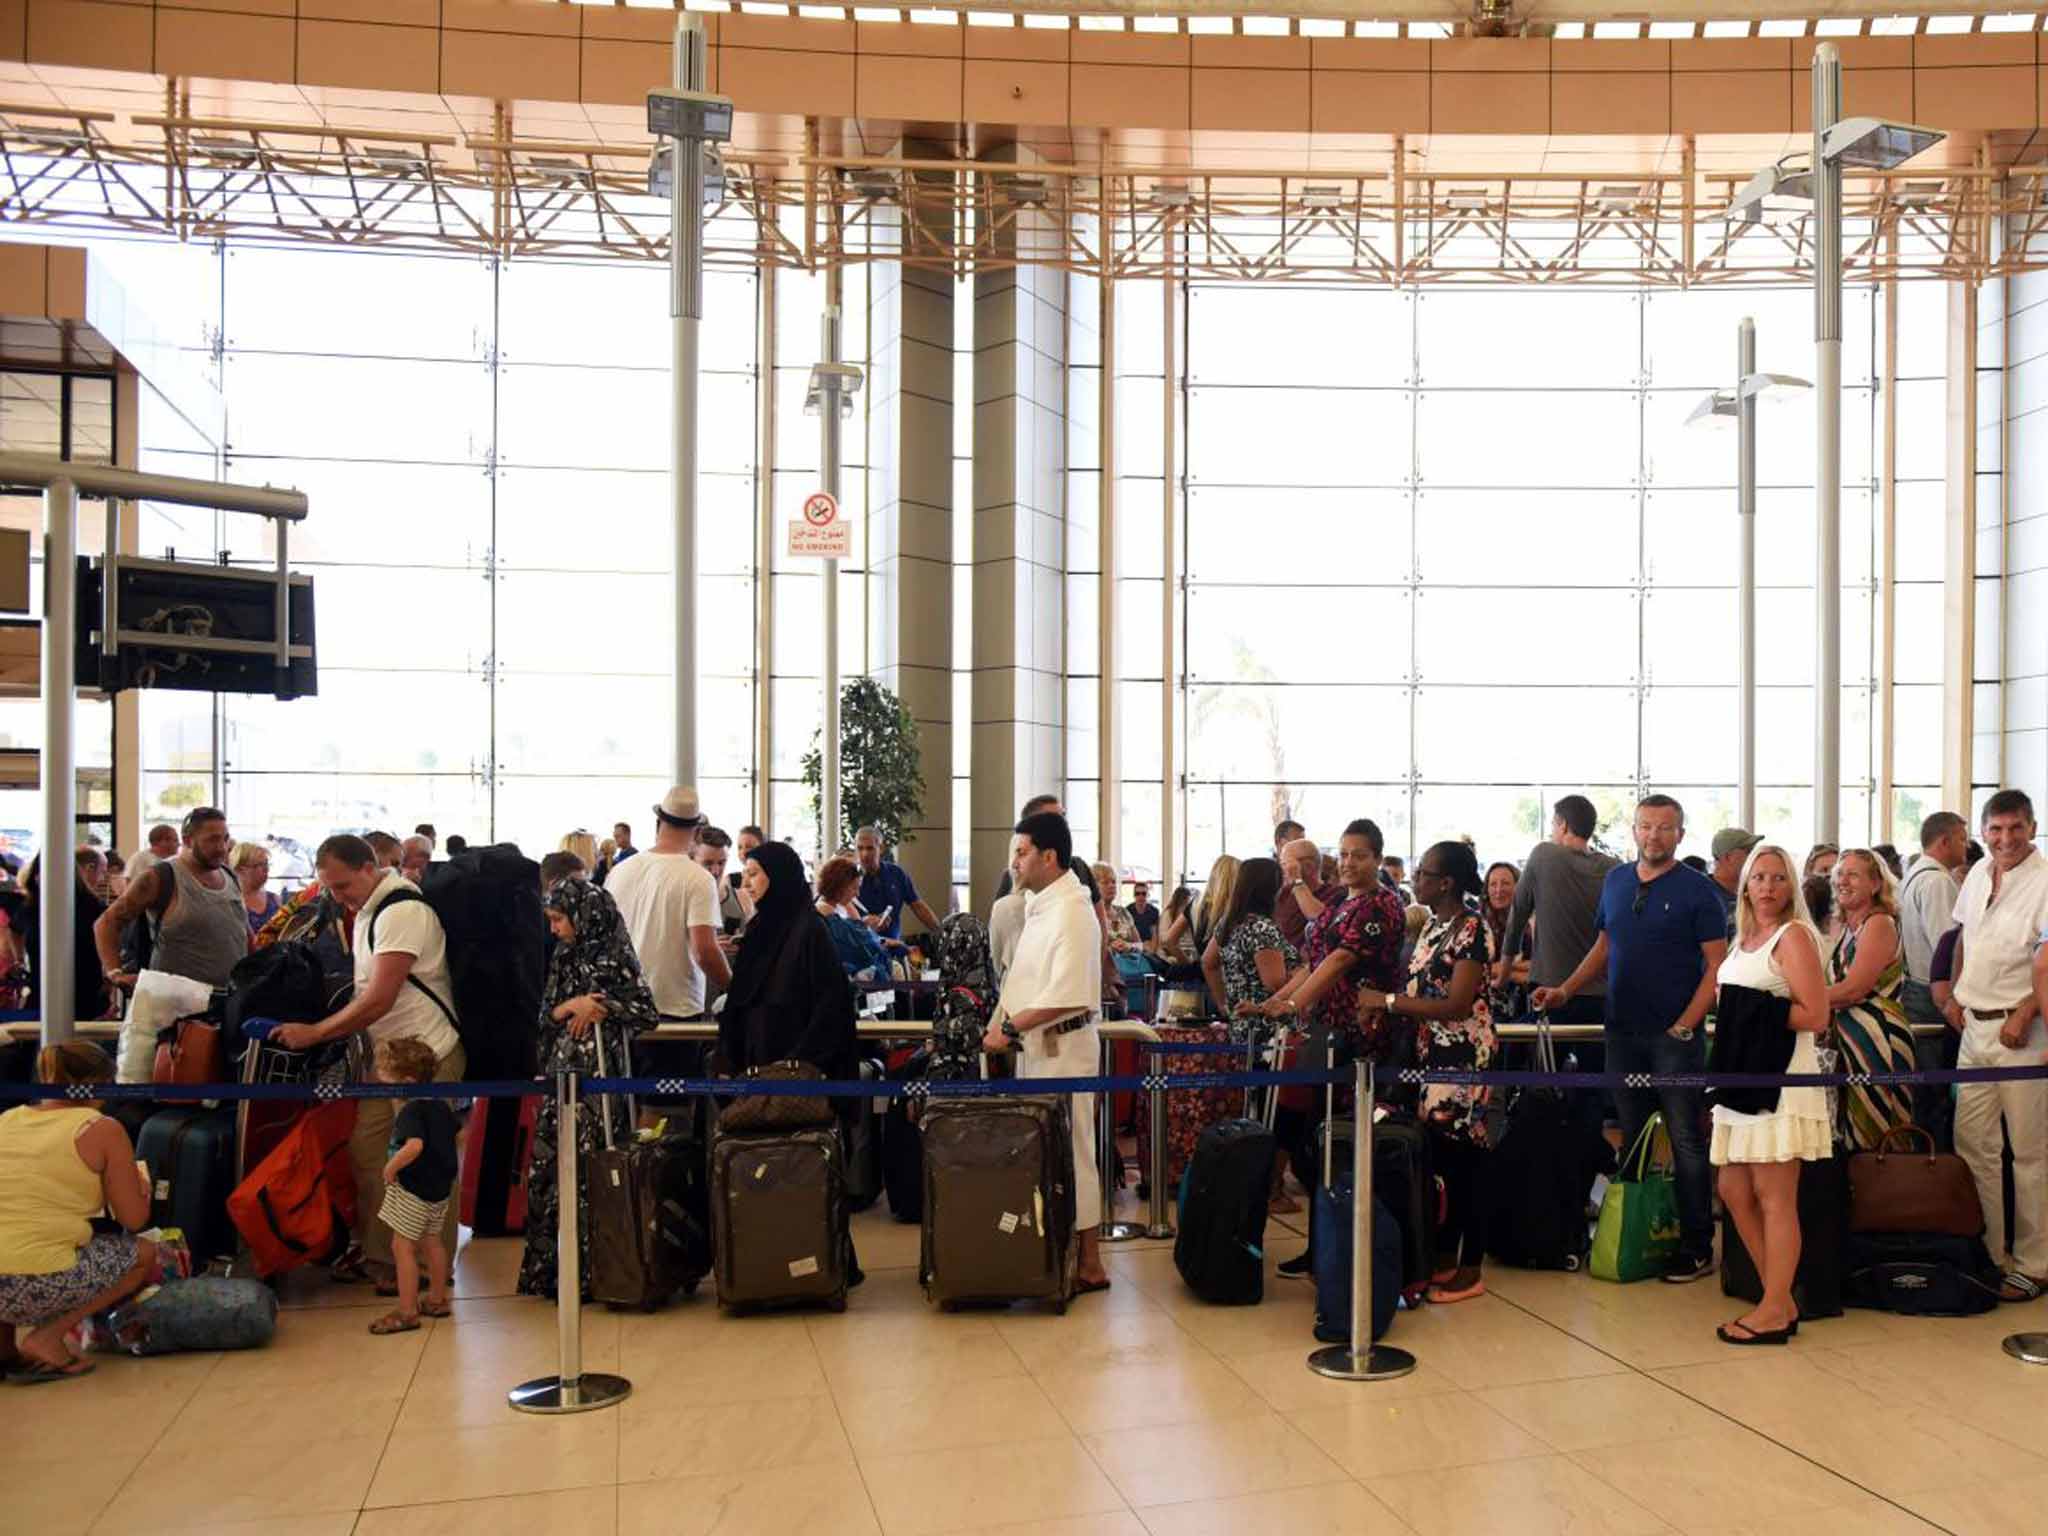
{"points": [[1797, 1130]]}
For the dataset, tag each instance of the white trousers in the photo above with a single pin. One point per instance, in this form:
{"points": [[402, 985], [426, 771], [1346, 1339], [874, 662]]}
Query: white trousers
{"points": [[1079, 1055], [2022, 1110]]}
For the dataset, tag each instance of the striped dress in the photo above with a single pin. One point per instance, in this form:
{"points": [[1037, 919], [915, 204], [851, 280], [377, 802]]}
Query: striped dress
{"points": [[1873, 1036]]}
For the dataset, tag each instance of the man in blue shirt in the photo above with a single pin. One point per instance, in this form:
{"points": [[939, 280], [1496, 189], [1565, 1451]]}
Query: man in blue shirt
{"points": [[886, 889], [1661, 940]]}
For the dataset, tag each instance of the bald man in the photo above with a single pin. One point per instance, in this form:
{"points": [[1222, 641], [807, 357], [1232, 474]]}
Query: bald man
{"points": [[1303, 894]]}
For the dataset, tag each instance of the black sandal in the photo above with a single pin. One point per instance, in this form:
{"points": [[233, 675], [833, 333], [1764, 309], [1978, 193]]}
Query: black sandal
{"points": [[1751, 1335]]}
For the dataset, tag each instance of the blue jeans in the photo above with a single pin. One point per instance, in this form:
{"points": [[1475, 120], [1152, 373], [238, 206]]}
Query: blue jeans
{"points": [[1685, 1115]]}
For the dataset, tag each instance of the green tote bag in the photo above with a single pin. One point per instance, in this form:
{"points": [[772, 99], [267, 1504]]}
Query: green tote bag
{"points": [[1638, 1231]]}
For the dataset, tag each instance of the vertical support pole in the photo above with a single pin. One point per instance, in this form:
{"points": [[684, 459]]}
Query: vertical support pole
{"points": [[1888, 543], [1108, 718], [765, 333], [1745, 520], [1361, 1359], [569, 1390], [1155, 1172], [686, 308], [1169, 585], [828, 476], [56, 975], [1959, 554], [1827, 458]]}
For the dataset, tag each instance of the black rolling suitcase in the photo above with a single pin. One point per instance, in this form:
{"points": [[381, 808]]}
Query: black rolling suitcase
{"points": [[1823, 1243], [998, 1201], [778, 1213], [1220, 1249], [190, 1154], [1538, 1219], [864, 1144], [647, 1215], [1404, 1181]]}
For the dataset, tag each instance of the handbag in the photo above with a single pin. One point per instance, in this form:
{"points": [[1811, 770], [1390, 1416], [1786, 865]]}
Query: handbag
{"points": [[189, 1053], [1638, 1231], [1918, 1190], [777, 1111]]}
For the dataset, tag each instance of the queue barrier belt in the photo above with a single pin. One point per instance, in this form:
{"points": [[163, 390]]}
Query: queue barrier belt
{"points": [[726, 1087]]}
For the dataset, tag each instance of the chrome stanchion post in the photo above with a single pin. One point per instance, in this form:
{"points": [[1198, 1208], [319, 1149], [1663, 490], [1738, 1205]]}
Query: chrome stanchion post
{"points": [[2029, 1347], [1109, 1158], [1361, 1359], [570, 1390], [1155, 1171]]}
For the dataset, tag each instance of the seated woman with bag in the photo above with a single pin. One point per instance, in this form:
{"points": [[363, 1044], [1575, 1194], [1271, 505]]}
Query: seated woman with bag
{"points": [[593, 986], [62, 1163], [1771, 1005]]}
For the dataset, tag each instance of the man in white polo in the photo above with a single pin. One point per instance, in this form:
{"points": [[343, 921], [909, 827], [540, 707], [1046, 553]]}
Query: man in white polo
{"points": [[2003, 909], [1052, 993]]}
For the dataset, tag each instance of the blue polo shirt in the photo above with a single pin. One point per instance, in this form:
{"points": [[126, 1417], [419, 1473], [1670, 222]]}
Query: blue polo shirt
{"points": [[1654, 962], [887, 887]]}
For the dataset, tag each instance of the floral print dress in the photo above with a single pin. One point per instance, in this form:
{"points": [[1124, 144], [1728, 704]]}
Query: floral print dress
{"points": [[1241, 982], [1371, 924], [1468, 1044]]}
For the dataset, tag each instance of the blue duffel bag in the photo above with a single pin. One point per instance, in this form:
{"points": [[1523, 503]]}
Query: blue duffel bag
{"points": [[203, 1313]]}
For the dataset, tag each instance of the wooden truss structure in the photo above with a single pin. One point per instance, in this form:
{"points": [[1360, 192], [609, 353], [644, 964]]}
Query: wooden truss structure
{"points": [[195, 178]]}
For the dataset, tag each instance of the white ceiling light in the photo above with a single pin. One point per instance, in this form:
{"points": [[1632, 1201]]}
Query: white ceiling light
{"points": [[1949, 25], [1838, 26], [1157, 24], [1321, 26], [1265, 26], [1038, 21], [1210, 26], [1792, 28], [1616, 31], [1725, 29], [1671, 29], [1570, 30], [1102, 23], [1376, 29], [2011, 21], [1894, 26]]}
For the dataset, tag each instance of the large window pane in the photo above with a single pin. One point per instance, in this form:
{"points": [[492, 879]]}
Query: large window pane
{"points": [[1255, 635], [1298, 436], [1266, 535], [1503, 635], [1517, 537], [1566, 341], [1322, 337], [1585, 438]]}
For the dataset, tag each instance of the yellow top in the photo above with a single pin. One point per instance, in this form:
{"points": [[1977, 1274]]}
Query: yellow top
{"points": [[48, 1196]]}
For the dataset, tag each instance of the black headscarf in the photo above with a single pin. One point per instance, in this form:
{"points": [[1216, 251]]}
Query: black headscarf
{"points": [[777, 920], [789, 997], [599, 960]]}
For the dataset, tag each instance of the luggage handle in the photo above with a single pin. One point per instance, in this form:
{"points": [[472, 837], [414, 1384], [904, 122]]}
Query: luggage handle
{"points": [[1330, 1103], [1917, 1139], [632, 1110], [1546, 1045]]}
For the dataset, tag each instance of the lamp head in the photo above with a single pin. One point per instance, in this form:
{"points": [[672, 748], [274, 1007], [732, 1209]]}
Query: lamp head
{"points": [[1872, 144], [1715, 410]]}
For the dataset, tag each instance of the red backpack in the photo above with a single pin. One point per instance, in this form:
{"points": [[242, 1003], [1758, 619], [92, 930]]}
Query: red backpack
{"points": [[298, 1204]]}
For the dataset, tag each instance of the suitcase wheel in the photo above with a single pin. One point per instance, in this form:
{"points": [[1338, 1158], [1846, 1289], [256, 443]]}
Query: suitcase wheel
{"points": [[1571, 1263]]}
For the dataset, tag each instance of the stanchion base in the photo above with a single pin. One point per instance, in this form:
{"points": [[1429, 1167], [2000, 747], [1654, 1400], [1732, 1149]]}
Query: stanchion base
{"points": [[1119, 1231], [1382, 1362], [1160, 1233], [551, 1394], [2030, 1347]]}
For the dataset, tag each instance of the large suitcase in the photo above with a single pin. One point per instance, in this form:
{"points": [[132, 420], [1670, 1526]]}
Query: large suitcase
{"points": [[1404, 1181], [999, 1201], [864, 1145], [1192, 1111], [1538, 1216], [298, 1204], [497, 1155], [778, 1212], [191, 1158], [646, 1207], [1823, 1237], [1331, 1247], [1220, 1249]]}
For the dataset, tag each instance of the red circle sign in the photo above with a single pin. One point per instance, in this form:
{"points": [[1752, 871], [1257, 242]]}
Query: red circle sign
{"points": [[820, 510]]}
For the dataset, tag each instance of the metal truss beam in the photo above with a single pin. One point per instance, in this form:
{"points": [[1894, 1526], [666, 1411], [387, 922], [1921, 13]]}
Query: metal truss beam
{"points": [[502, 195]]}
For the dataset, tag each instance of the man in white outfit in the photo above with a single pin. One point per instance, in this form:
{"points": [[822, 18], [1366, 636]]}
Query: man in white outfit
{"points": [[2003, 910], [1052, 992]]}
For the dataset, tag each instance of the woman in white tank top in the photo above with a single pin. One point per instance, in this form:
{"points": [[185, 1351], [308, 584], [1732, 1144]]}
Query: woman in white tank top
{"points": [[1777, 951]]}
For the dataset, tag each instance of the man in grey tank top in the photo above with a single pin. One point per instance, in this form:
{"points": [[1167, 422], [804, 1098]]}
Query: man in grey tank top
{"points": [[194, 903]]}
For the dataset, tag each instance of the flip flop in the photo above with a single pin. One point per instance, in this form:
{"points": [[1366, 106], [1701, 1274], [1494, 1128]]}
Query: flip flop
{"points": [[1750, 1335], [41, 1371], [2027, 1287], [1089, 1287]]}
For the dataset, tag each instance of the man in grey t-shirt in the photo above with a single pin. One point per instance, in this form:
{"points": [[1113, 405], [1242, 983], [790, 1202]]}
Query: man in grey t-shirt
{"points": [[1560, 889]]}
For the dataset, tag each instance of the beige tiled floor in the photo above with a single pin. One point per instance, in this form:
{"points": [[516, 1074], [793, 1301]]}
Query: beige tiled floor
{"points": [[1555, 1405]]}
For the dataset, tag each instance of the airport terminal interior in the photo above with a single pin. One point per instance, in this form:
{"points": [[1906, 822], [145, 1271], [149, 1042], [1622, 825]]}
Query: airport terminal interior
{"points": [[1199, 417]]}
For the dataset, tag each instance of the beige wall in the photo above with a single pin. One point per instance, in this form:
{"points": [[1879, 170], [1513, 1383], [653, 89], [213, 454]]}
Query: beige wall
{"points": [[548, 51]]}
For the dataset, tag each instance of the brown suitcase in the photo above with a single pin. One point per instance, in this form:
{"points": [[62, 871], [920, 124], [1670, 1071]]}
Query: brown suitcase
{"points": [[998, 1201], [778, 1216], [1901, 1188]]}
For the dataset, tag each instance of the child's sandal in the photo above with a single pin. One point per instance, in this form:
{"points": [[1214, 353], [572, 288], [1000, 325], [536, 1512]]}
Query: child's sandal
{"points": [[432, 1308], [396, 1322]]}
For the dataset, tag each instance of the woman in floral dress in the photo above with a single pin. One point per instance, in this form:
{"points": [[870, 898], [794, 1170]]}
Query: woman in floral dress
{"points": [[1446, 1004]]}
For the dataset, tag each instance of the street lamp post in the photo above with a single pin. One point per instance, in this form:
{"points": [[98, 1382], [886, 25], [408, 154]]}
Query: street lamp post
{"points": [[1864, 143], [1740, 407]]}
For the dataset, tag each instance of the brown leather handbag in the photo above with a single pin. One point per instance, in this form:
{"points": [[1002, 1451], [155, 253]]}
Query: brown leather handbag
{"points": [[752, 1112], [1916, 1190]]}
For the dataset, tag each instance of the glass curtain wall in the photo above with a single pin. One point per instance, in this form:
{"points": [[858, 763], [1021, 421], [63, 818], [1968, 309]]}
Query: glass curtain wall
{"points": [[1451, 554], [486, 448]]}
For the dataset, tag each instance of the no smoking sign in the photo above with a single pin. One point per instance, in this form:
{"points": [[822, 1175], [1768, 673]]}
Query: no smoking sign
{"points": [[820, 534]]}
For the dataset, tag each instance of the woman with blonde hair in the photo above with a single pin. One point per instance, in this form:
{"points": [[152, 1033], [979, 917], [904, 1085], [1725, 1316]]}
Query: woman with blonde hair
{"points": [[1760, 1140], [1215, 899], [1866, 974], [251, 864], [583, 845]]}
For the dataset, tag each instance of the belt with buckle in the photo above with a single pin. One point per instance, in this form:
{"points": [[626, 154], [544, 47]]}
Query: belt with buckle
{"points": [[1991, 1013], [1068, 1026]]}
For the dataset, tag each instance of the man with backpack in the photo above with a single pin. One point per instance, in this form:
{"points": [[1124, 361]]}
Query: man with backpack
{"points": [[191, 909], [403, 990]]}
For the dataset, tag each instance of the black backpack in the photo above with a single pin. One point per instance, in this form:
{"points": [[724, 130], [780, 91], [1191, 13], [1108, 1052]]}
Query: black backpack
{"points": [[285, 982], [488, 901], [1538, 1220], [1220, 1248], [1926, 1274]]}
